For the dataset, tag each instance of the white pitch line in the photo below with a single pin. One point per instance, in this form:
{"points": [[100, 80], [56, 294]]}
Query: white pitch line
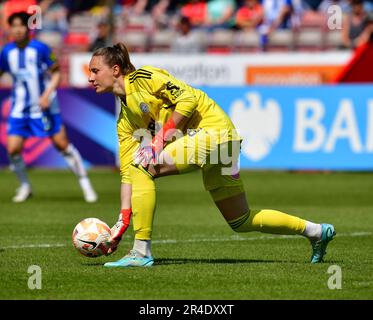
{"points": [[175, 241], [238, 238], [43, 245]]}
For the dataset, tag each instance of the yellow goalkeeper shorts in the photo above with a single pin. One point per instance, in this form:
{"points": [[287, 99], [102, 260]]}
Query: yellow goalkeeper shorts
{"points": [[218, 162]]}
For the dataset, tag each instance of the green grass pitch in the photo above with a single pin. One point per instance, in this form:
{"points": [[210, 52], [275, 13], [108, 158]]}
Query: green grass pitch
{"points": [[197, 256]]}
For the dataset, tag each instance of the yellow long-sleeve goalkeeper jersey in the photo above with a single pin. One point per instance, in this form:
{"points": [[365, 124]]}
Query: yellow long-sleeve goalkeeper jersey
{"points": [[152, 94]]}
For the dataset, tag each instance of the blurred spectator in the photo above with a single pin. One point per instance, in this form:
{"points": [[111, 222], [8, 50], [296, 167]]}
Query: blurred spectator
{"points": [[188, 41], [196, 11], [220, 14], [54, 16], [277, 15], [161, 11], [12, 6], [103, 38], [136, 7], [357, 25], [312, 4], [76, 6], [133, 10], [250, 15], [101, 11], [326, 4]]}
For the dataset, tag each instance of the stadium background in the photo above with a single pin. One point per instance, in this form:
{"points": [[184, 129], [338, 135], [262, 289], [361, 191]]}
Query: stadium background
{"points": [[284, 96], [301, 102]]}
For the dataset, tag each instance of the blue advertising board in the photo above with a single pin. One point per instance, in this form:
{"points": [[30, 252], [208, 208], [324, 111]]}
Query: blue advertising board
{"points": [[314, 128], [284, 128]]}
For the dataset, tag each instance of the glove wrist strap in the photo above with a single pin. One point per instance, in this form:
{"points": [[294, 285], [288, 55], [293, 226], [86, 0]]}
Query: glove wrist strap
{"points": [[126, 215], [163, 135]]}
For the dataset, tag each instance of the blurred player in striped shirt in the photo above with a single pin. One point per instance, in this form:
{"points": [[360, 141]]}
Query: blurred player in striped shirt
{"points": [[34, 108]]}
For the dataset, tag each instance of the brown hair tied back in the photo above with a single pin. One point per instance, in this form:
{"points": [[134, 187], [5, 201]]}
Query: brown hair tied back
{"points": [[116, 55]]}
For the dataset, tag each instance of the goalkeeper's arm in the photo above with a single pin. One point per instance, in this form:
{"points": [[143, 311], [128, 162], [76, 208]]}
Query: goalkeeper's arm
{"points": [[176, 121], [124, 219]]}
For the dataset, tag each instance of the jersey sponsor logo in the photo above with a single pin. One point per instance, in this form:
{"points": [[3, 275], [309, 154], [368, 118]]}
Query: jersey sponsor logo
{"points": [[140, 74], [192, 132], [144, 107], [52, 57], [259, 122], [174, 89]]}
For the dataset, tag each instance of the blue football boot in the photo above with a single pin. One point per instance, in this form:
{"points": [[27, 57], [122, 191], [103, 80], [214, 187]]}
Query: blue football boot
{"points": [[133, 259], [319, 246]]}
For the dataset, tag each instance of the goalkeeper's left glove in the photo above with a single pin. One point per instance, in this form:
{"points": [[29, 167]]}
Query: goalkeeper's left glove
{"points": [[119, 229], [145, 156]]}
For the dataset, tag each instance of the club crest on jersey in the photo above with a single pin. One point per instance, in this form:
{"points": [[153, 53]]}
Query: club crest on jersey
{"points": [[144, 107]]}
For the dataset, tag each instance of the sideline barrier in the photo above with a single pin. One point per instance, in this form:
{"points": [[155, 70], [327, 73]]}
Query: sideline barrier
{"points": [[266, 68]]}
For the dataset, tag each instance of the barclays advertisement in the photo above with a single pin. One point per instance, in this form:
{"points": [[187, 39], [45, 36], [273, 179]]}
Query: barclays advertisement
{"points": [[285, 128], [312, 128]]}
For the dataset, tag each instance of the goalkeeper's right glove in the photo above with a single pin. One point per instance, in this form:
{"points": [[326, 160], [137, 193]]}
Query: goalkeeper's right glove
{"points": [[119, 229]]}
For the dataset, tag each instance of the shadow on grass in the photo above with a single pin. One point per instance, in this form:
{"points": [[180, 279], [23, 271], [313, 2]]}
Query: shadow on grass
{"points": [[92, 264], [166, 261], [170, 261], [174, 261]]}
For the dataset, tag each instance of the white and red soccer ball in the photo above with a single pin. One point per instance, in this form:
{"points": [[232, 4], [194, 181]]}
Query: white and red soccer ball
{"points": [[90, 237]]}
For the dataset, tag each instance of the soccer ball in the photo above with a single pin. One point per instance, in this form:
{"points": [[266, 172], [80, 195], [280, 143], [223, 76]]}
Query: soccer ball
{"points": [[90, 237]]}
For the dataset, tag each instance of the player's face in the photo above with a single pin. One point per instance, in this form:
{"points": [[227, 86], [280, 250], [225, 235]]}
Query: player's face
{"points": [[18, 31], [100, 75]]}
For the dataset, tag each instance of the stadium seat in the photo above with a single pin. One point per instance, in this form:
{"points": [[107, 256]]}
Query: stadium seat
{"points": [[333, 40], [309, 39], [281, 40], [203, 35], [246, 41], [220, 40], [77, 41], [138, 22], [77, 38], [82, 23], [160, 41], [52, 38], [136, 41], [312, 19]]}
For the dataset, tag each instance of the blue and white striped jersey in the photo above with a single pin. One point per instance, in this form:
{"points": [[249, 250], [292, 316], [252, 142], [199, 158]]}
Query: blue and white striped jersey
{"points": [[28, 67]]}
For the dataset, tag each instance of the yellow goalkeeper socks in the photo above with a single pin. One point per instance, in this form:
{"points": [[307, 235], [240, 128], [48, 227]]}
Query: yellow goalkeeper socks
{"points": [[268, 221], [143, 202]]}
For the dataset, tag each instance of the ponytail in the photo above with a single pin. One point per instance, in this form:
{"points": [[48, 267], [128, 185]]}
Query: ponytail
{"points": [[116, 55]]}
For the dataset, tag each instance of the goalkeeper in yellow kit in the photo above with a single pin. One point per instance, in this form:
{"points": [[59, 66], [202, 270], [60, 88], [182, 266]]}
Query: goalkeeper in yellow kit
{"points": [[167, 127]]}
